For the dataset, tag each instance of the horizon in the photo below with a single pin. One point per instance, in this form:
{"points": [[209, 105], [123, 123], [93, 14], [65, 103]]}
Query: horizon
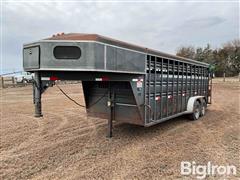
{"points": [[165, 26]]}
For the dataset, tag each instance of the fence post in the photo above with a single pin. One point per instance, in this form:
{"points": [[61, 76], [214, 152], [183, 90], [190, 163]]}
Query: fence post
{"points": [[224, 76], [13, 81], [2, 82]]}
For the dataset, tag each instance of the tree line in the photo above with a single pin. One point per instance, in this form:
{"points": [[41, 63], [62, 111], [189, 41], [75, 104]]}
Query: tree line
{"points": [[225, 59]]}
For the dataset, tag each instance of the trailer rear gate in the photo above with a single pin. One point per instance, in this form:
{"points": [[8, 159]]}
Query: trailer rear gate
{"points": [[120, 81]]}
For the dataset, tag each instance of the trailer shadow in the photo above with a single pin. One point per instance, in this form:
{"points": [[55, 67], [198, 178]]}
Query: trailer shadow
{"points": [[171, 126], [123, 129]]}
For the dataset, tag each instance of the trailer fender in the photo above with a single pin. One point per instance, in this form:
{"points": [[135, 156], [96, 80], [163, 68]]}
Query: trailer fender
{"points": [[191, 101]]}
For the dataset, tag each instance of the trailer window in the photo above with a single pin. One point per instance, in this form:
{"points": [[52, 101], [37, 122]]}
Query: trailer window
{"points": [[67, 52]]}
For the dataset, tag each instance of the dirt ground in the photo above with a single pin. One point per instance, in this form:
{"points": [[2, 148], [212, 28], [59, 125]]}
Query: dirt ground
{"points": [[65, 144]]}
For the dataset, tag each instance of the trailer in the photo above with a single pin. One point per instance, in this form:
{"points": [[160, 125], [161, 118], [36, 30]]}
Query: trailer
{"points": [[121, 81]]}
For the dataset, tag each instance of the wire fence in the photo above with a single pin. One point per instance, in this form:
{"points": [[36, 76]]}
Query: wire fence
{"points": [[11, 73], [10, 81]]}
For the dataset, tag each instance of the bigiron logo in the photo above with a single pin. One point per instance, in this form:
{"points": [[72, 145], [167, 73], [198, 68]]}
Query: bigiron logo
{"points": [[202, 171]]}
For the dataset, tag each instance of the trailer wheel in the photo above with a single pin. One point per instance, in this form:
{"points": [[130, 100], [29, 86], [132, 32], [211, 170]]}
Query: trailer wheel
{"points": [[196, 111], [203, 108]]}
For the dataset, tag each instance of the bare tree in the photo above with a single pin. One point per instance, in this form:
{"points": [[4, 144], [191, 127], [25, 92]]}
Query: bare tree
{"points": [[187, 52], [225, 59], [233, 56]]}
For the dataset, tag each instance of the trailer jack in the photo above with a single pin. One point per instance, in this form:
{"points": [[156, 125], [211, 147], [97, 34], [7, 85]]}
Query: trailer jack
{"points": [[111, 105], [39, 86]]}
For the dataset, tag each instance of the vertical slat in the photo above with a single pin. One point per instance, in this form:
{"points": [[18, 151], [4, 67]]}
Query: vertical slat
{"points": [[194, 80], [196, 88], [173, 66], [161, 100], [186, 86], [201, 90], [155, 75], [191, 81], [182, 88], [167, 83], [198, 82], [210, 79], [149, 89], [208, 85], [205, 79], [145, 95], [202, 80], [199, 87], [178, 85]]}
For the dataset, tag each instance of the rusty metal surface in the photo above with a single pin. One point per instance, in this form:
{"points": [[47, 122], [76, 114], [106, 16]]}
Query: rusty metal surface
{"points": [[96, 37], [104, 39]]}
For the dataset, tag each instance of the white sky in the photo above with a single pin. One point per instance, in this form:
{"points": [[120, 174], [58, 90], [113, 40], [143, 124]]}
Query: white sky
{"points": [[162, 25]]}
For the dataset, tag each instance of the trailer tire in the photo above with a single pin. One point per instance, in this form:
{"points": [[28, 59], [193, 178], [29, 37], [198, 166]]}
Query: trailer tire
{"points": [[203, 108], [196, 111]]}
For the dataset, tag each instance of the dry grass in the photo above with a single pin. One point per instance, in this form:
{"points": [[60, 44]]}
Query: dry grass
{"points": [[65, 144], [227, 80]]}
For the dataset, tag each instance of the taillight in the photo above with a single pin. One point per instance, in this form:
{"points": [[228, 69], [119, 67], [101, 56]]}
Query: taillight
{"points": [[54, 78]]}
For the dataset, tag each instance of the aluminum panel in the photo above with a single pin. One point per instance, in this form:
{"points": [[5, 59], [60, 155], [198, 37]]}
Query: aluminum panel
{"points": [[31, 57], [91, 56], [124, 60]]}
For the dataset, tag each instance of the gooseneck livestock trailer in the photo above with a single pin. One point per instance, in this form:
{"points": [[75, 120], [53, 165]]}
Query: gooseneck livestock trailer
{"points": [[121, 81]]}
